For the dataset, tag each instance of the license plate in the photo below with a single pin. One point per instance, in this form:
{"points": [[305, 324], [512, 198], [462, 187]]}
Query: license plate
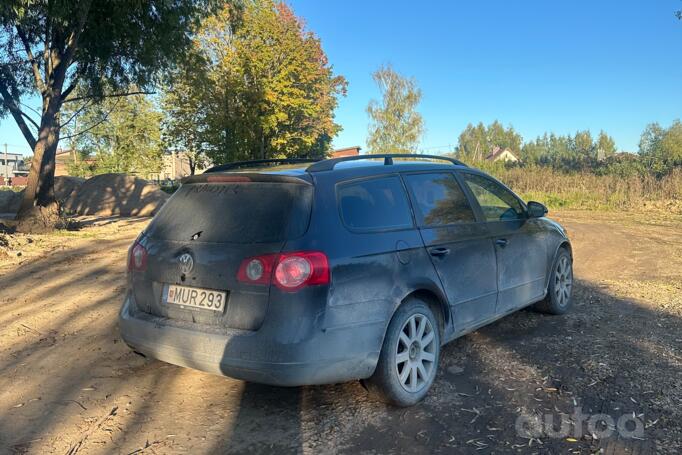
{"points": [[185, 296]]}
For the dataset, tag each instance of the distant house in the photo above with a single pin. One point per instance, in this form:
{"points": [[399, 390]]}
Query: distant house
{"points": [[348, 151], [12, 165], [64, 158], [175, 166], [500, 154]]}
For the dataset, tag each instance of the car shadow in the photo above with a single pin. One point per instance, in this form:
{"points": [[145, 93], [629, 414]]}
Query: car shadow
{"points": [[604, 359]]}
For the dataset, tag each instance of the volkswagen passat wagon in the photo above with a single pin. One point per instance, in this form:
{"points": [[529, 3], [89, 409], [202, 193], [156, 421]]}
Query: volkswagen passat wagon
{"points": [[292, 273]]}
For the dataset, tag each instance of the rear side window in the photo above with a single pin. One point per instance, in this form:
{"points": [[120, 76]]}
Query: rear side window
{"points": [[375, 204], [255, 212], [439, 200]]}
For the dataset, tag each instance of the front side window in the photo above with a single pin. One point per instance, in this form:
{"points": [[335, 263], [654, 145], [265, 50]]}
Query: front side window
{"points": [[439, 200], [497, 202], [375, 204]]}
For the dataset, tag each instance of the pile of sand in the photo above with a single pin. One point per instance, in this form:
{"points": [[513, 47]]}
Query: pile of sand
{"points": [[10, 201], [65, 185], [102, 195], [115, 194]]}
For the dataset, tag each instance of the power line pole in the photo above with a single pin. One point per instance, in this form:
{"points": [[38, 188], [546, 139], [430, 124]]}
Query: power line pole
{"points": [[6, 165]]}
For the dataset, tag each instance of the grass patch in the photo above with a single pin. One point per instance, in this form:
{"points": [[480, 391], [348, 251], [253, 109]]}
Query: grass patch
{"points": [[587, 191]]}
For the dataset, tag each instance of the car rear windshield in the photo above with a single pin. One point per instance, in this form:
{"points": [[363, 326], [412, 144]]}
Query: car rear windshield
{"points": [[254, 212]]}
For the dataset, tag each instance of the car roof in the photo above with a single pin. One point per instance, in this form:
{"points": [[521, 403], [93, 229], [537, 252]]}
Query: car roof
{"points": [[349, 169]]}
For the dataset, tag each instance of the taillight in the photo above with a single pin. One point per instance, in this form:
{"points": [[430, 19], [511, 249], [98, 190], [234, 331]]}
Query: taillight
{"points": [[257, 270], [292, 272], [137, 258], [288, 271]]}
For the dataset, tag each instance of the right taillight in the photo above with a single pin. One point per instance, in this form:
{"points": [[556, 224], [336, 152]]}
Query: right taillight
{"points": [[137, 258], [287, 271]]}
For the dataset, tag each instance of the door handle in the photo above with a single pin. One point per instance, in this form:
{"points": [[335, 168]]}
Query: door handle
{"points": [[501, 242], [440, 251]]}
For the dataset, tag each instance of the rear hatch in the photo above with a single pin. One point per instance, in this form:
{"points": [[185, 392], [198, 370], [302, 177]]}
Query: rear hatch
{"points": [[201, 236]]}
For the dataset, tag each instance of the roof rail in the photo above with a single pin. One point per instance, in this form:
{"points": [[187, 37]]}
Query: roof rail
{"points": [[240, 164], [328, 165]]}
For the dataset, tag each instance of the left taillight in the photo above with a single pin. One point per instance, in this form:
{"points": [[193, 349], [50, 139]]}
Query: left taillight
{"points": [[137, 258], [288, 271]]}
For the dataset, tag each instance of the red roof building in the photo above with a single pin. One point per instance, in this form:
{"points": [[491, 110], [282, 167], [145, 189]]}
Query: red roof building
{"points": [[348, 151]]}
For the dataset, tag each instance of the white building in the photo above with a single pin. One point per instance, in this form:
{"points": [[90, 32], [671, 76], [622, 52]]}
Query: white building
{"points": [[11, 165], [499, 154]]}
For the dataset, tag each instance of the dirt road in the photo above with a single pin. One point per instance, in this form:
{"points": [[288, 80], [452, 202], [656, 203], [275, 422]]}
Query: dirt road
{"points": [[69, 385]]}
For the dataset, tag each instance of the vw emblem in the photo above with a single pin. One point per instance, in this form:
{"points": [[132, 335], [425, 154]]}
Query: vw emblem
{"points": [[186, 262]]}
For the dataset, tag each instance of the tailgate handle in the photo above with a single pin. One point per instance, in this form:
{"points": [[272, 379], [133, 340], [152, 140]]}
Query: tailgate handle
{"points": [[501, 242], [440, 251]]}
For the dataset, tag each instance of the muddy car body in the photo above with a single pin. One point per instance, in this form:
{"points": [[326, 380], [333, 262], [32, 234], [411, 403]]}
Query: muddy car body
{"points": [[338, 270]]}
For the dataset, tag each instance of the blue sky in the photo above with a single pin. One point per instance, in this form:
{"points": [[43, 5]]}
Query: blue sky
{"points": [[550, 65]]}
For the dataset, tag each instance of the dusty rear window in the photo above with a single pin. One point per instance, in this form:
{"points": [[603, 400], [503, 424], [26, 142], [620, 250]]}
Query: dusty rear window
{"points": [[256, 212]]}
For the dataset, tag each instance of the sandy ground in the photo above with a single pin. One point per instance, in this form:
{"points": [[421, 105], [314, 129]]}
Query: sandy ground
{"points": [[69, 385]]}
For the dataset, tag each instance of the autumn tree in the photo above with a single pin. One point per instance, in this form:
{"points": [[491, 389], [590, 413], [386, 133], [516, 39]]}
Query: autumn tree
{"points": [[49, 47], [257, 86], [395, 125]]}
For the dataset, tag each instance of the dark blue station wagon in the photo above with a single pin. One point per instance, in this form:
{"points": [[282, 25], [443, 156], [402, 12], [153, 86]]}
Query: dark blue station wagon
{"points": [[295, 272]]}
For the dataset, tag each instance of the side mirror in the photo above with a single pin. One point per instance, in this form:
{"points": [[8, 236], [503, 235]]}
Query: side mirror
{"points": [[536, 210]]}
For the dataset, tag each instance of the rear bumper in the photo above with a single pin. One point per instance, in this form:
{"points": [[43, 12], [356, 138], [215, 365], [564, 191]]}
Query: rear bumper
{"points": [[330, 356]]}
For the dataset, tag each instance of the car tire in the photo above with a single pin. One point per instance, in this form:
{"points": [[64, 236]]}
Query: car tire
{"points": [[409, 357], [560, 288]]}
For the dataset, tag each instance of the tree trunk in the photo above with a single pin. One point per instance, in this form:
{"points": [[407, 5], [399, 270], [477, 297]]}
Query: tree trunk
{"points": [[40, 185], [192, 165], [262, 145]]}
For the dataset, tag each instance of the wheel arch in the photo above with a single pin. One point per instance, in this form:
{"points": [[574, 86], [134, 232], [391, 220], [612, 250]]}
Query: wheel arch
{"points": [[436, 302], [566, 245], [563, 245]]}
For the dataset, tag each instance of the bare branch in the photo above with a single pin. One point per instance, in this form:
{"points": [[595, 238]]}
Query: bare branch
{"points": [[34, 63], [33, 122], [35, 111], [94, 125], [17, 114], [71, 46], [78, 111], [71, 87], [113, 95]]}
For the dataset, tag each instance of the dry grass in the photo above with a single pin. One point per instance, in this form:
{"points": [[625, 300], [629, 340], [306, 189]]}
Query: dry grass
{"points": [[584, 190]]}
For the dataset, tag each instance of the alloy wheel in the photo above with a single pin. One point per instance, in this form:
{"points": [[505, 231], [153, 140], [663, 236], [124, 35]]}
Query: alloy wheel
{"points": [[416, 353], [563, 281]]}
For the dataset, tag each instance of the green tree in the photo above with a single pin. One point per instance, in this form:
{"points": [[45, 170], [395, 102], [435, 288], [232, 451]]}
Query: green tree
{"points": [[661, 148], [258, 85], [583, 144], [473, 142], [476, 142], [50, 47], [395, 125], [122, 135], [671, 145], [504, 138], [606, 146], [184, 126]]}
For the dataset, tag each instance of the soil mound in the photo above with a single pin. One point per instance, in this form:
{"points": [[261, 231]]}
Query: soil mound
{"points": [[65, 185], [10, 201], [115, 194]]}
